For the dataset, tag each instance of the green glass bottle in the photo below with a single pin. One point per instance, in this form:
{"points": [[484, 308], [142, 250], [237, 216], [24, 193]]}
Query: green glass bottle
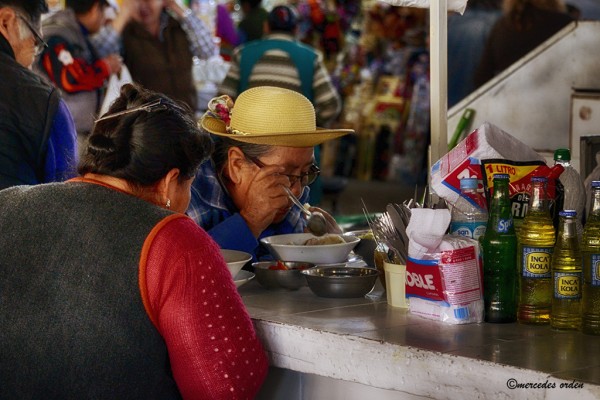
{"points": [[566, 274], [499, 244], [536, 240], [590, 249]]}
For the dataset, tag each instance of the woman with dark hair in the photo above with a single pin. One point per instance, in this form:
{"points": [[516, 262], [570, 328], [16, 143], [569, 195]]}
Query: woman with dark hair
{"points": [[108, 289]]}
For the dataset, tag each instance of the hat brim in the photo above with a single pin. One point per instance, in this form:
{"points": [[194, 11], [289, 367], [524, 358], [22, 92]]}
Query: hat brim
{"points": [[287, 139]]}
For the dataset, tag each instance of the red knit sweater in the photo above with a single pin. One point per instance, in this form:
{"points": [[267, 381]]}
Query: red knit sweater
{"points": [[191, 298]]}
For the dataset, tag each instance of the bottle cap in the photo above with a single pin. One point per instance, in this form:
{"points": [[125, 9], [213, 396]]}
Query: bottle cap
{"points": [[539, 179], [501, 176], [468, 183], [595, 184], [567, 213], [562, 155]]}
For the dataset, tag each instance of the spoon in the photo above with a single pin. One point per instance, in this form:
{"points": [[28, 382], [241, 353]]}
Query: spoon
{"points": [[317, 224]]}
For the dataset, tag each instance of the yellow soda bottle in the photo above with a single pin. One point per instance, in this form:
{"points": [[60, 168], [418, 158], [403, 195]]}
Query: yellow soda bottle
{"points": [[590, 249], [536, 240], [566, 274]]}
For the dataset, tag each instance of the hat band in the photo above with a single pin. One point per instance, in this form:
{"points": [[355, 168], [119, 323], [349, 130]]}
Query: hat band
{"points": [[229, 129]]}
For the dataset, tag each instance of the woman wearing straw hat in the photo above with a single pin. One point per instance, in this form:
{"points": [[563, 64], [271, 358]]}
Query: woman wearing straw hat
{"points": [[263, 143]]}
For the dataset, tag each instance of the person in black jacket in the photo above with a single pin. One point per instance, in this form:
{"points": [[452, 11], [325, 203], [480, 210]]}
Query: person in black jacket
{"points": [[37, 134]]}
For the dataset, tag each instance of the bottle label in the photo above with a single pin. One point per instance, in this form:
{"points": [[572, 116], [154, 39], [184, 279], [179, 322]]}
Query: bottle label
{"points": [[469, 229], [504, 225], [595, 269], [567, 285], [537, 262]]}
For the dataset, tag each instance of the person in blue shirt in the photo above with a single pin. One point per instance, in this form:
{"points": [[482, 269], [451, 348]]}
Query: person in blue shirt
{"points": [[263, 144], [38, 141]]}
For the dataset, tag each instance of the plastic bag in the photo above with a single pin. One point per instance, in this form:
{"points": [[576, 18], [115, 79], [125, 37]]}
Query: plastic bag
{"points": [[447, 285], [113, 88]]}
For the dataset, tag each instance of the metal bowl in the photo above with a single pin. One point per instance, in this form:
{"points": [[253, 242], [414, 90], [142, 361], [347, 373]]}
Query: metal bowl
{"points": [[290, 279], [340, 281]]}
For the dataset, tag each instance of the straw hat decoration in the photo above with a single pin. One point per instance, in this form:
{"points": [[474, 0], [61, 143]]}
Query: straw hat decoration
{"points": [[268, 115]]}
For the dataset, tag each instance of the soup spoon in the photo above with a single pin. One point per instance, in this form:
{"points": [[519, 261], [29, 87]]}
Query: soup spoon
{"points": [[317, 224]]}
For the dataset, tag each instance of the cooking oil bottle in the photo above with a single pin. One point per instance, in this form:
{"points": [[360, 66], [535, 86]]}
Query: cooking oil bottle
{"points": [[536, 240], [590, 248], [566, 274]]}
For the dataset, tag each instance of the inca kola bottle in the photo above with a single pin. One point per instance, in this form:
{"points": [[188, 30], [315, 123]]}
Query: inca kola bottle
{"points": [[536, 240]]}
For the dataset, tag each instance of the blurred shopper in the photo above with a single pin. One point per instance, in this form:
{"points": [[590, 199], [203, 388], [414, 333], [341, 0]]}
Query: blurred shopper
{"points": [[524, 25], [263, 143], [120, 295], [226, 31], [280, 60], [71, 62], [159, 39], [467, 35], [254, 21], [37, 134]]}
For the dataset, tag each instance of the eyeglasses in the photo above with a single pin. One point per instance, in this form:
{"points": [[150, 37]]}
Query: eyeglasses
{"points": [[40, 44], [148, 107], [305, 179]]}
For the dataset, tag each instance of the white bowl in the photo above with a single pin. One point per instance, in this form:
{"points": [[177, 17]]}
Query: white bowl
{"points": [[243, 277], [235, 260], [291, 247]]}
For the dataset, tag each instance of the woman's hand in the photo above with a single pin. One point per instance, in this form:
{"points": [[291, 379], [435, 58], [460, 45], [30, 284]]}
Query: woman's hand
{"points": [[265, 200]]}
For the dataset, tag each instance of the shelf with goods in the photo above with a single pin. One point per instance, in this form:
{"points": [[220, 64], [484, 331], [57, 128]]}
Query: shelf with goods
{"points": [[383, 76]]}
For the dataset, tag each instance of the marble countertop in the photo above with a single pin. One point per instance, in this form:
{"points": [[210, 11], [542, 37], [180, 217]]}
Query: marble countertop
{"points": [[366, 341]]}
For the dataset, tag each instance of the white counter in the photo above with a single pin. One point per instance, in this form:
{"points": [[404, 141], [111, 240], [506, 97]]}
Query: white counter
{"points": [[389, 353]]}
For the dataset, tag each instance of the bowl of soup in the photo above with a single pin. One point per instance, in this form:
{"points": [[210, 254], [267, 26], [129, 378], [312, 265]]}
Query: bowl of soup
{"points": [[306, 247]]}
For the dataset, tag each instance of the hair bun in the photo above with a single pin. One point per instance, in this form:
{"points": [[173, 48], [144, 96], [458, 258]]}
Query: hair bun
{"points": [[98, 144]]}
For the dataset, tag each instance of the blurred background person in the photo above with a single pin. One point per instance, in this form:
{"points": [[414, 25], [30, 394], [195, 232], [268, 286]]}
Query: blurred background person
{"points": [[38, 142], [281, 60], [159, 39], [467, 35], [253, 24], [120, 295], [71, 61], [107, 40], [226, 30], [267, 144], [524, 25]]}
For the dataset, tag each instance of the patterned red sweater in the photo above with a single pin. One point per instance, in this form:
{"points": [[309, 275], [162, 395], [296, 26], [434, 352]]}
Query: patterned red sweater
{"points": [[191, 298]]}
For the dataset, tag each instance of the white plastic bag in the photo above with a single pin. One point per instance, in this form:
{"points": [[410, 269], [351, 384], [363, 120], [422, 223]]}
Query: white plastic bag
{"points": [[114, 88]]}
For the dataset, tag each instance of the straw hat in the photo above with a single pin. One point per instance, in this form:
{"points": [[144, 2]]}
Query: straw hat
{"points": [[268, 115]]}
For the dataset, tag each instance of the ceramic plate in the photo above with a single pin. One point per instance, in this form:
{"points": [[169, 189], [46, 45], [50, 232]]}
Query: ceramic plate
{"points": [[243, 277]]}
